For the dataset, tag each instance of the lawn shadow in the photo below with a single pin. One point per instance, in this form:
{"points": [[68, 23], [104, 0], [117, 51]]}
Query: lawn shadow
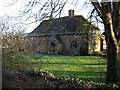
{"points": [[67, 63], [94, 76]]}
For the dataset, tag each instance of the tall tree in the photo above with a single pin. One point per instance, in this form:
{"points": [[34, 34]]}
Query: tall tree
{"points": [[109, 12]]}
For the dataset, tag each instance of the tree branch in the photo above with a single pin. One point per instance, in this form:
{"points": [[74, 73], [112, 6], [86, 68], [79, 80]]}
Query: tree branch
{"points": [[98, 8]]}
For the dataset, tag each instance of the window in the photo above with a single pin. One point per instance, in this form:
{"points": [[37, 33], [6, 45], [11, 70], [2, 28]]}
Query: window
{"points": [[73, 44]]}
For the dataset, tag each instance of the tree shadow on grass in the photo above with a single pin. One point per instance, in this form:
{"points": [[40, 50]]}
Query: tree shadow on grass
{"points": [[67, 63], [94, 76]]}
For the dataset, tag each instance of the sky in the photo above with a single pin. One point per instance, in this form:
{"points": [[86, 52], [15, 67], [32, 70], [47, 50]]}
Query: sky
{"points": [[9, 9]]}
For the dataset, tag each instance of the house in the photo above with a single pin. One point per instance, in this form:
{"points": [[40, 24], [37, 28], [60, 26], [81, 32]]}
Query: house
{"points": [[70, 35]]}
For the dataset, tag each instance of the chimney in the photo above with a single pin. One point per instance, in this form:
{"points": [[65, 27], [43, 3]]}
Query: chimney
{"points": [[51, 16], [71, 12]]}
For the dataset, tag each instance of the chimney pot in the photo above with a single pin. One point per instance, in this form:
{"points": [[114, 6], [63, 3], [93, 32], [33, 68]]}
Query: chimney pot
{"points": [[71, 12]]}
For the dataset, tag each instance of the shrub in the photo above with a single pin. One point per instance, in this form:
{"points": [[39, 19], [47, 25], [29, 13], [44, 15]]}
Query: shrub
{"points": [[67, 82], [15, 49]]}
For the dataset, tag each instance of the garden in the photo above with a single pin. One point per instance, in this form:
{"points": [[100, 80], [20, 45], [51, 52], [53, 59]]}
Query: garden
{"points": [[37, 70]]}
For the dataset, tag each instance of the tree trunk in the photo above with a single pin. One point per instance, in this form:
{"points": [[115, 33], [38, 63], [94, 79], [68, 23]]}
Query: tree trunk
{"points": [[118, 58], [112, 76], [112, 50]]}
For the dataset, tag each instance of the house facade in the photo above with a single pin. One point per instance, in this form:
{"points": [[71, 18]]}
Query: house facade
{"points": [[70, 35]]}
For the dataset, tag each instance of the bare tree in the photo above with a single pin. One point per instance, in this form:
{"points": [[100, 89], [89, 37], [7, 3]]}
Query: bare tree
{"points": [[14, 43], [109, 12]]}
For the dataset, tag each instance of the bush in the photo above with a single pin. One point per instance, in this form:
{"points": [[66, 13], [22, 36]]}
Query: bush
{"points": [[67, 82], [15, 49]]}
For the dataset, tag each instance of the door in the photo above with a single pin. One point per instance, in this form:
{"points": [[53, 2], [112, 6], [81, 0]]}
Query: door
{"points": [[52, 48]]}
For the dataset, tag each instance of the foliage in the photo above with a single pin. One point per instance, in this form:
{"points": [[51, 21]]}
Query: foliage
{"points": [[15, 50], [62, 82]]}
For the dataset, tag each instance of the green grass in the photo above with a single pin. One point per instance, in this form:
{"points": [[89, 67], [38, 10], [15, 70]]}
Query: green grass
{"points": [[85, 67]]}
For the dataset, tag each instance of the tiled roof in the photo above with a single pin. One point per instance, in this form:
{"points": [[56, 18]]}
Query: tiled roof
{"points": [[63, 25]]}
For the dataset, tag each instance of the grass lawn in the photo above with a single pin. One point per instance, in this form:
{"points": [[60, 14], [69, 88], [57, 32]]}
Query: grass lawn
{"points": [[84, 67]]}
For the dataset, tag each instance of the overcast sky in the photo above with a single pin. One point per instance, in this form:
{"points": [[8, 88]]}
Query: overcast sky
{"points": [[13, 10]]}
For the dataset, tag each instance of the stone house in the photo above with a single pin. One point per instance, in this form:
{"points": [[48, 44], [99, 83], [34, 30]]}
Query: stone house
{"points": [[70, 35]]}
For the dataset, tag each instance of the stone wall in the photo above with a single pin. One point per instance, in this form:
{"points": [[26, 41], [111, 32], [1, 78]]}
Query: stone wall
{"points": [[68, 44]]}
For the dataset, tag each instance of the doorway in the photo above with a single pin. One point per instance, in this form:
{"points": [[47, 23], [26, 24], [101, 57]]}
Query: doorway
{"points": [[52, 48]]}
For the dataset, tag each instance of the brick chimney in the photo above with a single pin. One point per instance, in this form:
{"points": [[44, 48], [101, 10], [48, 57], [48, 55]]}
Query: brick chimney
{"points": [[71, 12]]}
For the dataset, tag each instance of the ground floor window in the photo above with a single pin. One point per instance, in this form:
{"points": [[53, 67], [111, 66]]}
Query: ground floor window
{"points": [[73, 44]]}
